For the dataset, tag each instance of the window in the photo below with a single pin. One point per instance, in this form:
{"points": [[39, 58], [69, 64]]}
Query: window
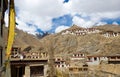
{"points": [[118, 57], [80, 69], [89, 59], [58, 65], [75, 55], [70, 69], [58, 59], [85, 65], [85, 69], [113, 57], [95, 58], [81, 54], [37, 71]]}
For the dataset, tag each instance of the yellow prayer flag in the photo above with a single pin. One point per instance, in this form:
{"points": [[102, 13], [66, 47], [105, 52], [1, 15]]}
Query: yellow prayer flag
{"points": [[11, 28]]}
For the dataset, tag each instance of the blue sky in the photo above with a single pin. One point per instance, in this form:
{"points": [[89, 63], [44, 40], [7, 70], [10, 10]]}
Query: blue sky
{"points": [[52, 16], [65, 1]]}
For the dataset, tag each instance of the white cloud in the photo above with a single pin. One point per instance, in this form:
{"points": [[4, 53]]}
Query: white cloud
{"points": [[42, 8], [60, 28], [41, 12], [82, 22], [23, 26], [100, 15], [93, 6], [94, 9], [115, 23], [101, 23], [92, 21]]}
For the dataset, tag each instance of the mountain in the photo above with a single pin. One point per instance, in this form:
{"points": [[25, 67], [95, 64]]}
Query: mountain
{"points": [[91, 43], [23, 39], [95, 41], [108, 27]]}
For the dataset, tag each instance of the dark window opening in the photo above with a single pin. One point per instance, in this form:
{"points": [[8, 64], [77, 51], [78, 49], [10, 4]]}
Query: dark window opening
{"points": [[36, 71], [95, 58], [85, 69], [58, 65], [62, 62], [81, 54], [118, 57], [80, 69], [58, 59], [113, 57], [85, 65], [70, 69], [89, 59]]}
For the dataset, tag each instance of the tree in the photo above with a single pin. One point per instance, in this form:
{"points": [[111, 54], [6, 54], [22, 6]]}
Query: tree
{"points": [[50, 49]]}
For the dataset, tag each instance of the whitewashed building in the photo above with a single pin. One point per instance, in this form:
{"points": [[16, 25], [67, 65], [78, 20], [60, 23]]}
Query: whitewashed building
{"points": [[60, 63], [81, 31], [96, 60]]}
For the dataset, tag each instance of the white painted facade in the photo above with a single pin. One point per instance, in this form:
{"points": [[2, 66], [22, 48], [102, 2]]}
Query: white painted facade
{"points": [[95, 60], [81, 31], [60, 63], [84, 31], [110, 34]]}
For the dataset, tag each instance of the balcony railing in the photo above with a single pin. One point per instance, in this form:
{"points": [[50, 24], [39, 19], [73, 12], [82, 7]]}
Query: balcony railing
{"points": [[28, 57]]}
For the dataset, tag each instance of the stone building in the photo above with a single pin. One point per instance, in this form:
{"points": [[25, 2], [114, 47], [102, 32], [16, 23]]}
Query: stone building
{"points": [[96, 60], [78, 71], [110, 34], [61, 63], [114, 59], [75, 30], [30, 64]]}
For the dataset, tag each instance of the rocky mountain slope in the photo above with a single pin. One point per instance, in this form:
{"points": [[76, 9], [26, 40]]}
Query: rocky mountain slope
{"points": [[66, 44], [23, 39], [90, 43]]}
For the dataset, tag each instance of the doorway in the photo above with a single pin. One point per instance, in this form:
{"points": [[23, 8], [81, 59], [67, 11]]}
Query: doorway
{"points": [[17, 70]]}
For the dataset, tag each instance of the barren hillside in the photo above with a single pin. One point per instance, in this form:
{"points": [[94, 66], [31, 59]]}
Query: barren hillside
{"points": [[66, 44]]}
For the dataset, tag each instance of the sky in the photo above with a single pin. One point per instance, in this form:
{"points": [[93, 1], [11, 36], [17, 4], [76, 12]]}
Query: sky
{"points": [[38, 16]]}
